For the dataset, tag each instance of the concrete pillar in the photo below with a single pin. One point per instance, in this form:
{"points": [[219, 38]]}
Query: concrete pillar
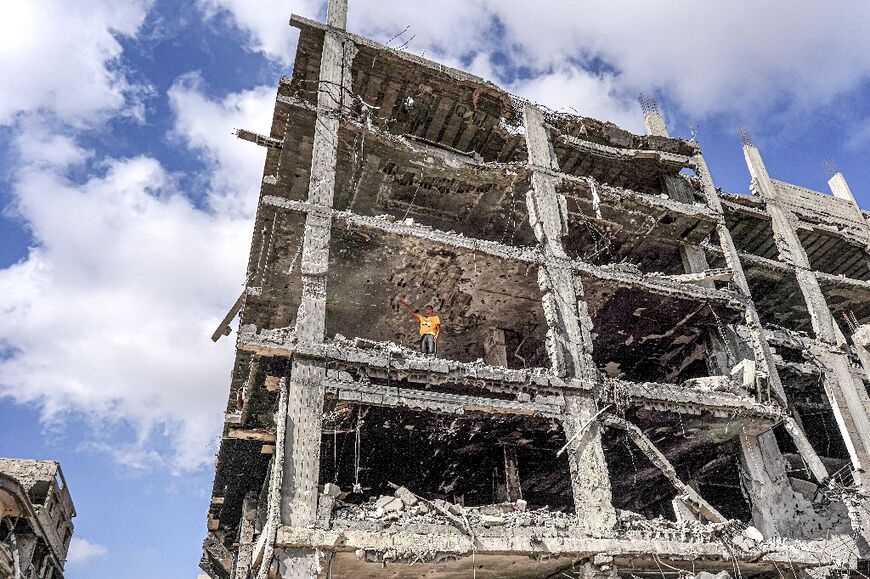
{"points": [[569, 338], [333, 93], [512, 474], [590, 480], [846, 397], [760, 455], [302, 440], [305, 391], [655, 125], [840, 188]]}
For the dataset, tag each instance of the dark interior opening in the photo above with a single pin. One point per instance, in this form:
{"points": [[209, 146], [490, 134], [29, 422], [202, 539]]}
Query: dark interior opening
{"points": [[637, 485], [778, 298], [643, 336], [751, 234], [624, 228], [806, 392], [833, 254], [458, 458], [378, 176], [39, 492], [704, 452], [476, 296]]}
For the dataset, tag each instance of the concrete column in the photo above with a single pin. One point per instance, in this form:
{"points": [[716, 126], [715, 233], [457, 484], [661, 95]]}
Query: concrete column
{"points": [[760, 455], [843, 393], [333, 94], [305, 392], [302, 440], [841, 190], [569, 338], [654, 122], [590, 480]]}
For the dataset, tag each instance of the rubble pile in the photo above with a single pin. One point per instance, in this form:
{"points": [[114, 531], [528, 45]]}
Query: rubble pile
{"points": [[404, 508]]}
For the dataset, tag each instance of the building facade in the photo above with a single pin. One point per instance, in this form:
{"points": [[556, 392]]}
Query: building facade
{"points": [[36, 514], [637, 375]]}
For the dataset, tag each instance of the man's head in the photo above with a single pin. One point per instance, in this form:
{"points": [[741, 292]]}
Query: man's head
{"points": [[429, 310]]}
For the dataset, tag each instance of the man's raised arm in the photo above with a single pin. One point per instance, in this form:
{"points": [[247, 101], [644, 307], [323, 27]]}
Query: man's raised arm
{"points": [[407, 307]]}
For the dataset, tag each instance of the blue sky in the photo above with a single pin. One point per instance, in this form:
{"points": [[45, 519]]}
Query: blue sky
{"points": [[126, 205]]}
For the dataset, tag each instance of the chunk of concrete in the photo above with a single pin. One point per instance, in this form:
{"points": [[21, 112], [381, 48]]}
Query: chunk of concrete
{"points": [[409, 498], [804, 487], [389, 504], [754, 534], [491, 520], [331, 490]]}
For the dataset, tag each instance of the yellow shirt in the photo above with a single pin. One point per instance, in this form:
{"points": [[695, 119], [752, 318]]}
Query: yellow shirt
{"points": [[428, 324]]}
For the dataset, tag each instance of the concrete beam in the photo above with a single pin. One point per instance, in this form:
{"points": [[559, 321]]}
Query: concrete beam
{"points": [[689, 495], [441, 402], [447, 539], [663, 157], [258, 139]]}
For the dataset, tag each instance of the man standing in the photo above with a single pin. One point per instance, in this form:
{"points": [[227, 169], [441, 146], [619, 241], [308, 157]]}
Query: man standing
{"points": [[430, 327]]}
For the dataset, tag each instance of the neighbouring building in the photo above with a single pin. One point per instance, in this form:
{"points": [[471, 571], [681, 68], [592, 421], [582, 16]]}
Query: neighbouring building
{"points": [[638, 374], [36, 514]]}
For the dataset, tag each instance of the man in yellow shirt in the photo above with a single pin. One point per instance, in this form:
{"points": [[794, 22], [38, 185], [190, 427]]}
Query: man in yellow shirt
{"points": [[430, 327]]}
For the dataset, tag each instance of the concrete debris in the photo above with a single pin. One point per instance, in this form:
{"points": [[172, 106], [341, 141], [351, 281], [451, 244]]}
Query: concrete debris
{"points": [[753, 534], [331, 490], [491, 520], [389, 504], [407, 497]]}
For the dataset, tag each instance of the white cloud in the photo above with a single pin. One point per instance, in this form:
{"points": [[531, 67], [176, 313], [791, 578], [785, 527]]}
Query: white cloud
{"points": [[265, 22], [82, 550], [110, 314], [576, 90], [64, 60], [860, 136], [743, 58], [206, 126]]}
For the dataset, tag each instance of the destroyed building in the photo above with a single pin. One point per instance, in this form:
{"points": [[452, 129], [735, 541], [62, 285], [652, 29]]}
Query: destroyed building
{"points": [[639, 375], [36, 514]]}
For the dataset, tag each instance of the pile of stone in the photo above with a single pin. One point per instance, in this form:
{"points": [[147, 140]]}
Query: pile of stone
{"points": [[404, 507]]}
